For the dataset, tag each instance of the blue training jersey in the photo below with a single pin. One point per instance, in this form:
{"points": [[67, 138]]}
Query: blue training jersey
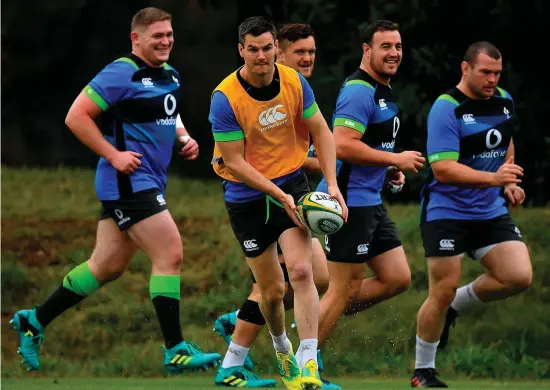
{"points": [[476, 133], [369, 107], [140, 105]]}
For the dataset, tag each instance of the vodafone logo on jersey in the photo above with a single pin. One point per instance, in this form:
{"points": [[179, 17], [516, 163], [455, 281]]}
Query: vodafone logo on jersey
{"points": [[170, 104], [272, 117]]}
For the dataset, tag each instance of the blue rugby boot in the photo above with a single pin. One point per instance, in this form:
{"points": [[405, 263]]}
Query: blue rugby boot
{"points": [[241, 377], [224, 326], [327, 385], [31, 335], [188, 356]]}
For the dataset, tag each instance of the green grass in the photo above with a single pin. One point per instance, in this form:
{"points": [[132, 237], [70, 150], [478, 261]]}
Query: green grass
{"points": [[49, 219], [207, 383]]}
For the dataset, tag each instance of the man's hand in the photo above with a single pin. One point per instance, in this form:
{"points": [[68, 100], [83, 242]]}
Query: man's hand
{"points": [[334, 192], [508, 173], [190, 149], [126, 162], [290, 207], [395, 179], [515, 194], [409, 161]]}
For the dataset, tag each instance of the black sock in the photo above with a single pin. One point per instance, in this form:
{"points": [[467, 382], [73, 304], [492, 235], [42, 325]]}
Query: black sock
{"points": [[61, 300], [168, 313]]}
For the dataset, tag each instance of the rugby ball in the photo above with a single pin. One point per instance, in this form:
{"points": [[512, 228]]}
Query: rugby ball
{"points": [[320, 213]]}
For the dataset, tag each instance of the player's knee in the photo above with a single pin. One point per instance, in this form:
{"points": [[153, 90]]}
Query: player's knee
{"points": [[300, 273], [521, 281], [443, 295], [273, 294], [173, 258], [399, 284]]}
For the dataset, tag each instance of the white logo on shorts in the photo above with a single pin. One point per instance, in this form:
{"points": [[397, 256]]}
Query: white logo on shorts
{"points": [[121, 218], [250, 245], [516, 229], [161, 200], [326, 244], [446, 245], [362, 249]]}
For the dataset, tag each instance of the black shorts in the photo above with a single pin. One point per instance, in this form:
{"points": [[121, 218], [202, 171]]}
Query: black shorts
{"points": [[368, 233], [135, 208], [259, 223], [452, 237]]}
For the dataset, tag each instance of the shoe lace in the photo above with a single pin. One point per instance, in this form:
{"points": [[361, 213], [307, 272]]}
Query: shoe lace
{"points": [[248, 375], [192, 348], [432, 372], [34, 349], [284, 362]]}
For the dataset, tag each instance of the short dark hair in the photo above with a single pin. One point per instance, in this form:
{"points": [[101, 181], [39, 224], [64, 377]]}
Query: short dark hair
{"points": [[256, 26], [291, 32], [476, 48], [379, 25], [147, 16]]}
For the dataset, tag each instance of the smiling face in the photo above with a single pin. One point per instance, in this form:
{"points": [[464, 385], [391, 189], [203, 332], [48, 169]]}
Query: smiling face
{"points": [[384, 53], [153, 43], [481, 78], [299, 55]]}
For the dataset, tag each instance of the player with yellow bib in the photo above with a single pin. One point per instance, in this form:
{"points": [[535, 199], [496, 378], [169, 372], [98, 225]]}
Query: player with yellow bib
{"points": [[262, 116]]}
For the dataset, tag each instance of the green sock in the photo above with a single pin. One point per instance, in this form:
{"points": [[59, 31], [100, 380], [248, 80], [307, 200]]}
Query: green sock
{"points": [[77, 285], [165, 294], [81, 281]]}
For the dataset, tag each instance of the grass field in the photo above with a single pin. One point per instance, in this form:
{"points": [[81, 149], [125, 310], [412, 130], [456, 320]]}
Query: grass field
{"points": [[206, 383], [48, 227]]}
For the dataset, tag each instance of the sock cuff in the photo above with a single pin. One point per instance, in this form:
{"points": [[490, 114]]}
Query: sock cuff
{"points": [[425, 343], [472, 293], [238, 347], [283, 336], [308, 341], [165, 285], [81, 281]]}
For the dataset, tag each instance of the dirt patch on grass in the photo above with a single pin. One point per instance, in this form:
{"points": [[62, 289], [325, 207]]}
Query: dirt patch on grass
{"points": [[39, 242]]}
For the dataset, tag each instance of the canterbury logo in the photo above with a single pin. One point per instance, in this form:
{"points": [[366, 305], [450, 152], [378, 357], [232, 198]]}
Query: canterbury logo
{"points": [[250, 245], [447, 244], [362, 249], [271, 115]]}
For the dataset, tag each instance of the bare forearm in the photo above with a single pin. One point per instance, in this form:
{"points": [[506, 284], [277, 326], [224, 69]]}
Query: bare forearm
{"points": [[511, 150], [356, 152], [460, 174], [85, 129], [181, 132], [247, 174], [312, 165], [326, 155]]}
